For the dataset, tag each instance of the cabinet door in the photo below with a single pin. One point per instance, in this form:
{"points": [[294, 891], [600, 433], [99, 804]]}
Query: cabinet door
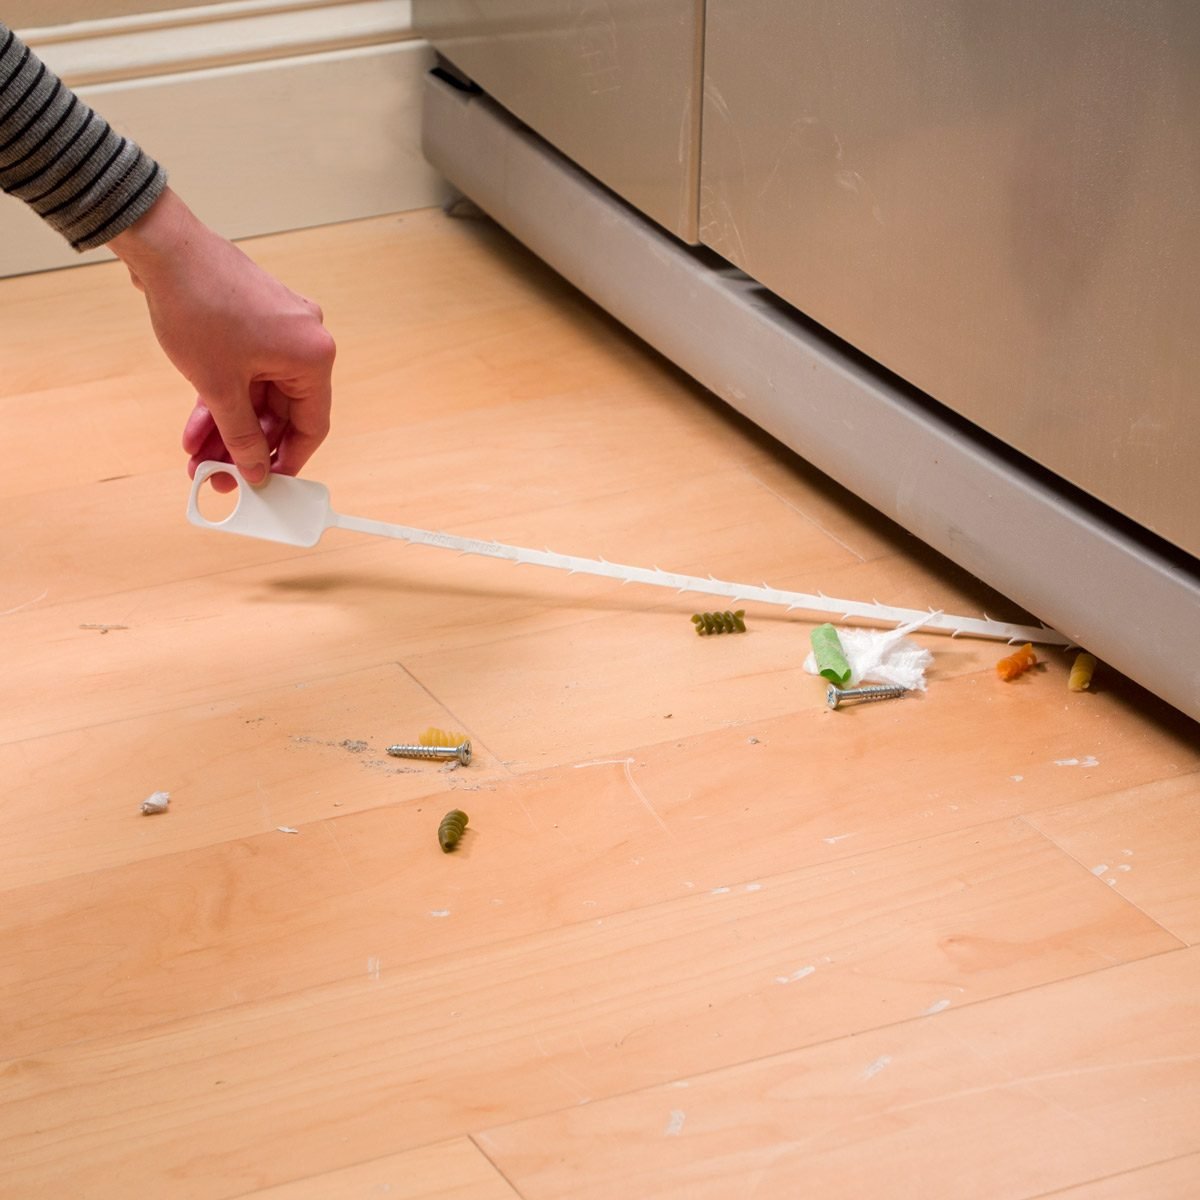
{"points": [[613, 84], [999, 200]]}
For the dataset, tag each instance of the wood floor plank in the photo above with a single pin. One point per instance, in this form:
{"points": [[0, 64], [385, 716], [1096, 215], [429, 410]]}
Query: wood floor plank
{"points": [[95, 435], [1007, 1099], [454, 1170], [111, 341], [1143, 842], [812, 778], [351, 897], [82, 543], [377, 602], [1177, 1179], [683, 876], [235, 767], [736, 680], [861, 528], [438, 1046]]}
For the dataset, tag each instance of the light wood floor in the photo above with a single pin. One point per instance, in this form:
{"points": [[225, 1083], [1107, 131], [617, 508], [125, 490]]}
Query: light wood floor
{"points": [[704, 938]]}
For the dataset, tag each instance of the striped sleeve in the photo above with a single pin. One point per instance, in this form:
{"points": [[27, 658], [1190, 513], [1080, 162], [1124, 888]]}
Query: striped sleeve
{"points": [[65, 161]]}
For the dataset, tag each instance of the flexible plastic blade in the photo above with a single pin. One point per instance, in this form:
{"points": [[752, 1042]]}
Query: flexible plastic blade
{"points": [[297, 511], [851, 610]]}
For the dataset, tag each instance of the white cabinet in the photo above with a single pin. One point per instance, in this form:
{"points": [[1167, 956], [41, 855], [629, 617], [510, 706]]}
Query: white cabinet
{"points": [[613, 84], [998, 201]]}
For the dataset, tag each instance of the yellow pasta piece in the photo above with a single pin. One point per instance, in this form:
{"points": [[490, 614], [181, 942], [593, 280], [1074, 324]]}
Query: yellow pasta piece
{"points": [[441, 737], [1081, 672]]}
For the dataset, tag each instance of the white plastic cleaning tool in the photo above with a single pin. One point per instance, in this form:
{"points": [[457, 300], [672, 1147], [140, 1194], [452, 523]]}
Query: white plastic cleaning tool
{"points": [[297, 511]]}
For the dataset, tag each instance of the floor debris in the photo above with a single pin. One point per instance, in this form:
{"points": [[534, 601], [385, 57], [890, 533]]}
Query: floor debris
{"points": [[156, 803], [1081, 672], [451, 829], [881, 656]]}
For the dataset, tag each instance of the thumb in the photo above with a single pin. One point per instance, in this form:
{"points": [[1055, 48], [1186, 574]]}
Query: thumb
{"points": [[238, 425]]}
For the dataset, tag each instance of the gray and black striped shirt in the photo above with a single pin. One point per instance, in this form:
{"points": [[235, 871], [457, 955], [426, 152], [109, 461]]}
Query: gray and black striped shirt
{"points": [[64, 160]]}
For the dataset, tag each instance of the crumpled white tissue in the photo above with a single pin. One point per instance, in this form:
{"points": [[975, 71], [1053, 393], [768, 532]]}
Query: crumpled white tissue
{"points": [[156, 803], [882, 656]]}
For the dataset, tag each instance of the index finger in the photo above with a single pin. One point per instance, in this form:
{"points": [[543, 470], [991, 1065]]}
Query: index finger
{"points": [[238, 424]]}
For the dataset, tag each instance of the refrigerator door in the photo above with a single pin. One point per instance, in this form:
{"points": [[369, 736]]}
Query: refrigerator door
{"points": [[997, 200], [613, 84]]}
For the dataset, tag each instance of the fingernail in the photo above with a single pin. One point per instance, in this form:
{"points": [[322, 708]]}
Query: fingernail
{"points": [[255, 475]]}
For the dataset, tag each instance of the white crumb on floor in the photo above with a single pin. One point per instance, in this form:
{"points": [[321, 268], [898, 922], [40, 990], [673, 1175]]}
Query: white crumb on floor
{"points": [[156, 803]]}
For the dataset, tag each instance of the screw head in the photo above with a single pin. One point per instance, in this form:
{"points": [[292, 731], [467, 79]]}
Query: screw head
{"points": [[833, 695]]}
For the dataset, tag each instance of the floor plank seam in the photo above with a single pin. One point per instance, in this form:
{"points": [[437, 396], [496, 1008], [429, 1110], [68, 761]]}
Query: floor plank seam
{"points": [[474, 1139], [155, 1029], [749, 470], [459, 723], [424, 798], [227, 698], [1025, 817], [696, 1076], [1129, 1173]]}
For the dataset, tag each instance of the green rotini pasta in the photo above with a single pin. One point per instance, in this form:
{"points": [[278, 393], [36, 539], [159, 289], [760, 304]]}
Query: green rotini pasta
{"points": [[452, 828], [719, 622]]}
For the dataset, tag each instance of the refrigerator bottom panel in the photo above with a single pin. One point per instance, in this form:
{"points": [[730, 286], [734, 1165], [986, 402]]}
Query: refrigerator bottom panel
{"points": [[1128, 597]]}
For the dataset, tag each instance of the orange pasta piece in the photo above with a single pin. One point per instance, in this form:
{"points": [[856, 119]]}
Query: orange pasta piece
{"points": [[1017, 663]]}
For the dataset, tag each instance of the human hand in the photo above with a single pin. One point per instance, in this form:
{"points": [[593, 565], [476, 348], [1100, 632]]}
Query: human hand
{"points": [[257, 353]]}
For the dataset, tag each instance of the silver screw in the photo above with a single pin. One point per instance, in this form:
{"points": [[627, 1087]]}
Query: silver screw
{"points": [[462, 752], [834, 695]]}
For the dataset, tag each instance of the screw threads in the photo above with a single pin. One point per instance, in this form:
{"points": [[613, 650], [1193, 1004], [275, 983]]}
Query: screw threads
{"points": [[836, 696], [461, 752]]}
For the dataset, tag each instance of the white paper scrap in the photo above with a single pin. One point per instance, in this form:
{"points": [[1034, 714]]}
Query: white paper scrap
{"points": [[157, 803]]}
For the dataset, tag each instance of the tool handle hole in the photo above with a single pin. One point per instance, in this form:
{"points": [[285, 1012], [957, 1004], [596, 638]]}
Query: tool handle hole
{"points": [[217, 497]]}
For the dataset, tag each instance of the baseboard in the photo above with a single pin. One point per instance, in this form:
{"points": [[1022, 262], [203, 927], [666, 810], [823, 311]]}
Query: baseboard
{"points": [[268, 116], [215, 35]]}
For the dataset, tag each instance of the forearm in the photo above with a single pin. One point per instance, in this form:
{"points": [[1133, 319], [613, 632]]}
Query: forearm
{"points": [[64, 160]]}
